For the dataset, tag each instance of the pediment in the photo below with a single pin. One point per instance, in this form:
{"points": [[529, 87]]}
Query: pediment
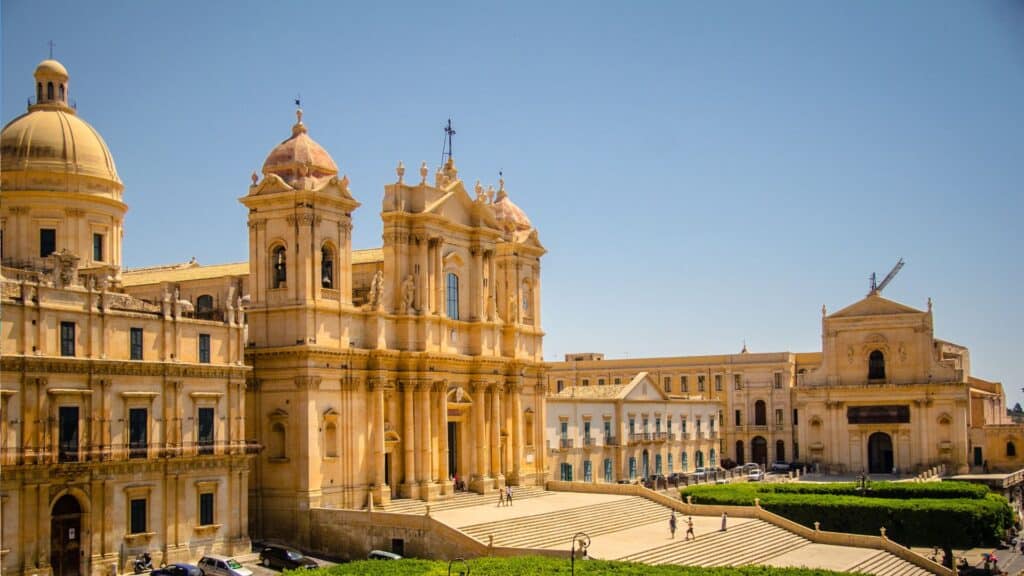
{"points": [[270, 184], [642, 388], [874, 305], [279, 414], [457, 206]]}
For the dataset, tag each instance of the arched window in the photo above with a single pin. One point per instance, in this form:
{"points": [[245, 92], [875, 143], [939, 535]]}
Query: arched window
{"points": [[1011, 450], [204, 307], [760, 413], [49, 90], [453, 296], [276, 446], [684, 463], [876, 365], [712, 461], [280, 267], [632, 467], [698, 459], [61, 92], [780, 451], [327, 267], [39, 91], [331, 440]]}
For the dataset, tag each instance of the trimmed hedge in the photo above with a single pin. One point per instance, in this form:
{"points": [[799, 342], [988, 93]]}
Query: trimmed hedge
{"points": [[960, 515], [532, 565]]}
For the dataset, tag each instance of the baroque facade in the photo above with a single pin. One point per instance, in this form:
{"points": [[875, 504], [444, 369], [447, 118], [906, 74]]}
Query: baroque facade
{"points": [[122, 419]]}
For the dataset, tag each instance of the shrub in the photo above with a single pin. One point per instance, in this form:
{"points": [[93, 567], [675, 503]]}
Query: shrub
{"points": [[944, 514]]}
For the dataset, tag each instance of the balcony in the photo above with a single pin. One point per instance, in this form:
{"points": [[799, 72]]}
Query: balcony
{"points": [[611, 441], [659, 436], [757, 428], [589, 442], [67, 453], [565, 443]]}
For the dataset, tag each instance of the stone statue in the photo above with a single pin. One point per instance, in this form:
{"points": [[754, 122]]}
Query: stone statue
{"points": [[423, 172], [65, 268], [400, 170], [409, 294], [374, 300], [849, 354]]}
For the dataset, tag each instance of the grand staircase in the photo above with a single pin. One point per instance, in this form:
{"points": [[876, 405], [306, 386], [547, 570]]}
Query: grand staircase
{"points": [[885, 564], [750, 542], [557, 528], [460, 500]]}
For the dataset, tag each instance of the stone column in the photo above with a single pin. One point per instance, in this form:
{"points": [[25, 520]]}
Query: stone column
{"points": [[421, 274], [425, 466], [343, 261], [517, 432], [439, 276], [409, 431], [477, 276], [479, 405], [492, 286], [378, 437], [442, 436], [496, 432]]}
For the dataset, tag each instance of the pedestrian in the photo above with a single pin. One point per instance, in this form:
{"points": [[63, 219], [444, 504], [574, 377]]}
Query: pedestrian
{"points": [[725, 517], [689, 528], [672, 525], [501, 497], [508, 494]]}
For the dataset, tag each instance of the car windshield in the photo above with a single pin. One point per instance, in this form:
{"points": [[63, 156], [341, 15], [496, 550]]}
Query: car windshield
{"points": [[233, 564], [293, 555]]}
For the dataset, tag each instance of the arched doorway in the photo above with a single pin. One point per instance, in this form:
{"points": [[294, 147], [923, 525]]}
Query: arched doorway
{"points": [[646, 466], [66, 536], [739, 452], [880, 453], [759, 450]]}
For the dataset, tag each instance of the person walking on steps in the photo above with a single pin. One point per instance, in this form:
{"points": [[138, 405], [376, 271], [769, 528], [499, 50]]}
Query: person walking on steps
{"points": [[672, 524], [508, 494], [501, 496], [725, 518], [689, 528]]}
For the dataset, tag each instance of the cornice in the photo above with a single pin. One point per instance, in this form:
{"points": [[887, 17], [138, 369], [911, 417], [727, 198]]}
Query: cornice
{"points": [[86, 366]]}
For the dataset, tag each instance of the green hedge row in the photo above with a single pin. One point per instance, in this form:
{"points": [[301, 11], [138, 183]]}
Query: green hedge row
{"points": [[956, 522], [887, 489], [532, 565]]}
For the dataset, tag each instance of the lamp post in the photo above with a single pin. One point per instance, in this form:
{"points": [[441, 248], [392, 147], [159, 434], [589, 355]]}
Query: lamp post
{"points": [[464, 565], [582, 540]]}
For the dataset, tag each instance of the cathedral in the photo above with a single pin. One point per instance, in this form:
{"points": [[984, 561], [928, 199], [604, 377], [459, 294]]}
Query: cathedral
{"points": [[188, 409]]}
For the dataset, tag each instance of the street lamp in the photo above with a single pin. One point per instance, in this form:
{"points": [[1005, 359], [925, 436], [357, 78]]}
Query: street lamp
{"points": [[582, 540], [464, 565]]}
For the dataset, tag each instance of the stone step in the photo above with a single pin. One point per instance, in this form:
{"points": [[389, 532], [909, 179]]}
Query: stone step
{"points": [[885, 564]]}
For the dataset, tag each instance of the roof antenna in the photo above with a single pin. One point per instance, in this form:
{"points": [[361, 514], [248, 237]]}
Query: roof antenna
{"points": [[51, 49]]}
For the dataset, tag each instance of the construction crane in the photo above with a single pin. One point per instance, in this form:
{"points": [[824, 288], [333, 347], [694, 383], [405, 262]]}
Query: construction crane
{"points": [[876, 287]]}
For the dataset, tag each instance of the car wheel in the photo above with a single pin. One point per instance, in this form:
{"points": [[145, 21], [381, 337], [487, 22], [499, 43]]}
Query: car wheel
{"points": [[266, 562]]}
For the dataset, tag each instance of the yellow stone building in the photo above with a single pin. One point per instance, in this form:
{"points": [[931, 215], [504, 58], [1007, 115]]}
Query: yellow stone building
{"points": [[123, 419]]}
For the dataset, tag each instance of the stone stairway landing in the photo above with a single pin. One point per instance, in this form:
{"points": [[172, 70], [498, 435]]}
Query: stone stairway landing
{"points": [[459, 500]]}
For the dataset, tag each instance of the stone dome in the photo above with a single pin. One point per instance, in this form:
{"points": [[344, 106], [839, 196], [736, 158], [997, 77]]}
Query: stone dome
{"points": [[510, 216], [299, 157], [51, 68]]}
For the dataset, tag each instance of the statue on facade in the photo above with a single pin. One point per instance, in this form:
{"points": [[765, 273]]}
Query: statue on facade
{"points": [[409, 294], [375, 298], [65, 268], [423, 172]]}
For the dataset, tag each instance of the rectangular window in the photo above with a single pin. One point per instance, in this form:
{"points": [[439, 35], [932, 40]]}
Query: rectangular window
{"points": [[657, 425], [796, 420], [657, 464], [618, 381], [668, 384], [586, 429], [204, 348], [566, 472], [600, 381], [136, 343], [138, 516], [586, 381], [608, 470], [206, 509], [739, 418], [608, 429], [668, 421], [684, 383], [47, 242], [778, 380], [67, 417], [737, 381], [97, 247], [205, 431], [559, 385], [632, 426], [683, 426], [564, 430], [67, 338], [453, 296], [700, 383], [588, 472], [718, 382], [697, 426], [670, 463], [647, 427], [138, 419], [632, 468], [778, 416]]}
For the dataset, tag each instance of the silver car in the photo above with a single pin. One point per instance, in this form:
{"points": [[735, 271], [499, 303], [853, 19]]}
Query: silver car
{"points": [[222, 566]]}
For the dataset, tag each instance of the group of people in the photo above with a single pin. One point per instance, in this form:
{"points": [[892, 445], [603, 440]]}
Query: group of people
{"points": [[505, 496], [672, 524]]}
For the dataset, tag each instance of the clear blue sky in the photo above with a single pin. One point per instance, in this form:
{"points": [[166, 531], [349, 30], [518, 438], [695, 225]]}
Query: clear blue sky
{"points": [[701, 173]]}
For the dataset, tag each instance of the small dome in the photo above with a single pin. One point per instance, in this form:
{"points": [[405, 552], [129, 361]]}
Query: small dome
{"points": [[52, 138], [50, 69], [299, 157], [508, 214]]}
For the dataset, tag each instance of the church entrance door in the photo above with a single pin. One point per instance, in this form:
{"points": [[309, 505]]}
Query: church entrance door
{"points": [[759, 450], [66, 537], [880, 458], [453, 449], [646, 464]]}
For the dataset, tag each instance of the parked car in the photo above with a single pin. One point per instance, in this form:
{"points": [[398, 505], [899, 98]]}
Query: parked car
{"points": [[177, 570], [215, 564], [700, 473], [286, 559], [780, 466], [755, 475], [382, 555]]}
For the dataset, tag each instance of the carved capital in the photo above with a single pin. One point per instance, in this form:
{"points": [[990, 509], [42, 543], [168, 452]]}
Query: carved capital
{"points": [[18, 209], [74, 212], [307, 382]]}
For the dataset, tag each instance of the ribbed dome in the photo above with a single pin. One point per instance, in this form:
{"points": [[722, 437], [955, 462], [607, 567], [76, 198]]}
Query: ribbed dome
{"points": [[508, 214], [51, 138], [299, 157]]}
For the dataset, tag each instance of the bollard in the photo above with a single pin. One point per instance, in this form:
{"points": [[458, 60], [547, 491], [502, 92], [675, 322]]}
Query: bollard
{"points": [[882, 530], [427, 514], [689, 500], [757, 503], [817, 526]]}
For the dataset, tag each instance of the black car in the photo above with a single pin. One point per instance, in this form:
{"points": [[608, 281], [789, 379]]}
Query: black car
{"points": [[286, 559], [177, 570]]}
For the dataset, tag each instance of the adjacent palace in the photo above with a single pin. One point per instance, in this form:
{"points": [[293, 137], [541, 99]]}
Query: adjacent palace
{"points": [[186, 409]]}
